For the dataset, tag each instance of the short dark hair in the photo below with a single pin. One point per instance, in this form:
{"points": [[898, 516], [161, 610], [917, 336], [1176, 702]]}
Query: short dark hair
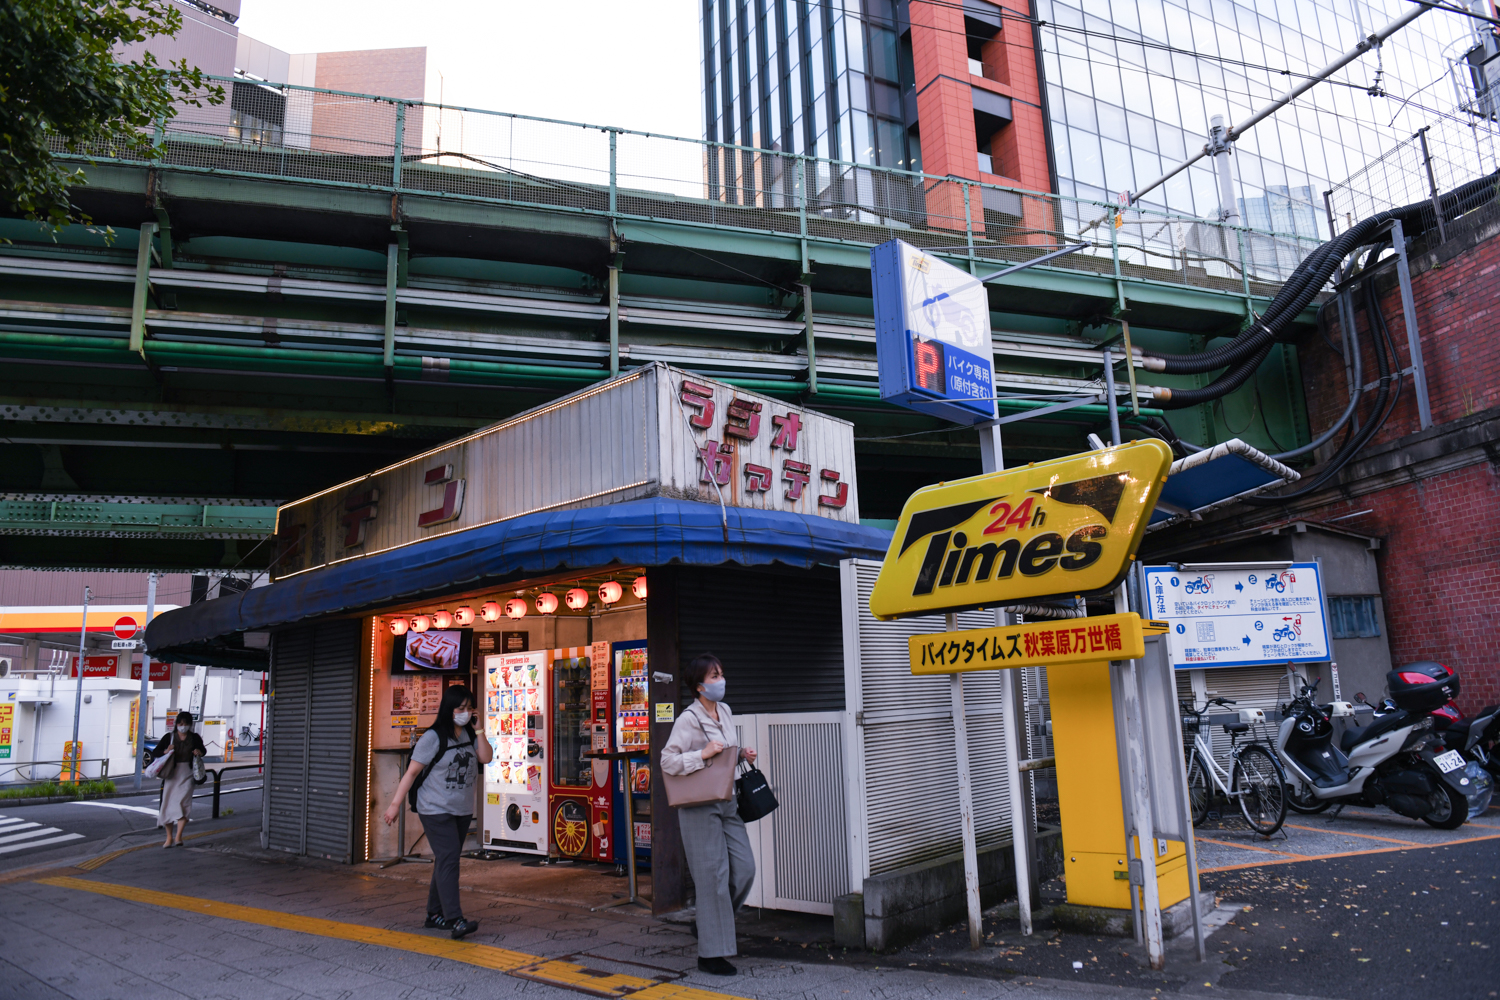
{"points": [[698, 669], [185, 718]]}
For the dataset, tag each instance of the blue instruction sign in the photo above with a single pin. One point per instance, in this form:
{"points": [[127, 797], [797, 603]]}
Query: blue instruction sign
{"points": [[1238, 617]]}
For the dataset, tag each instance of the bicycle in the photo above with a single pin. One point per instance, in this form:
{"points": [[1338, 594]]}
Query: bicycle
{"points": [[1255, 780]]}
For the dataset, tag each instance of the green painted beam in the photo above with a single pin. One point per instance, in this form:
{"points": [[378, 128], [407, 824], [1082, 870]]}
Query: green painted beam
{"points": [[28, 517]]}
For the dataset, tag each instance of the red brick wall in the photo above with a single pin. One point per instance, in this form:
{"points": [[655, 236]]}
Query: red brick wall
{"points": [[1440, 558]]}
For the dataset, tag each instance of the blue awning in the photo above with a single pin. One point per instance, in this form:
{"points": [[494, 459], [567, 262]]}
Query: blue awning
{"points": [[654, 532], [1216, 477]]}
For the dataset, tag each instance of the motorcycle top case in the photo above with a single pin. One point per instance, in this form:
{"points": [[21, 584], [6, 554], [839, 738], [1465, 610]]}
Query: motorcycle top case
{"points": [[1422, 687]]}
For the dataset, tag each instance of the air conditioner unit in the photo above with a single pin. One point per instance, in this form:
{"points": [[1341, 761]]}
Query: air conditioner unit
{"points": [[4, 666]]}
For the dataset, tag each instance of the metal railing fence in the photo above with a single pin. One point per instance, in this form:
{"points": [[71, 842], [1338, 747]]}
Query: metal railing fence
{"points": [[413, 147]]}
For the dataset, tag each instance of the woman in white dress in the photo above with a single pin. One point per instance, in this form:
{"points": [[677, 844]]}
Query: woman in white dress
{"points": [[177, 777]]}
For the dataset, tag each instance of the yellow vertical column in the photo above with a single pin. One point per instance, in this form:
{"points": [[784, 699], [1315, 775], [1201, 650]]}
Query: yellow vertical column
{"points": [[1088, 791]]}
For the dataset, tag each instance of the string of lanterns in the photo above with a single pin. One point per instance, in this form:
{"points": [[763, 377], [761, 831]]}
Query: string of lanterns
{"points": [[577, 599]]}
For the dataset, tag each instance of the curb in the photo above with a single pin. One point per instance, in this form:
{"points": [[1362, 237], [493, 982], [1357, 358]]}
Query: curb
{"points": [[116, 794]]}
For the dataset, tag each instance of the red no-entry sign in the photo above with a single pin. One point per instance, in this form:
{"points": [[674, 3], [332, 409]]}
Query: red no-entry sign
{"points": [[126, 628]]}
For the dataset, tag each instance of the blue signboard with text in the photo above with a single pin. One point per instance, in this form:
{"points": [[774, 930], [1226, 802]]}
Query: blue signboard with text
{"points": [[932, 335], [1236, 617]]}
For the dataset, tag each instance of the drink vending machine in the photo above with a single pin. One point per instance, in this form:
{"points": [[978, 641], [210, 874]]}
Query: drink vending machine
{"points": [[580, 812], [632, 727], [516, 724]]}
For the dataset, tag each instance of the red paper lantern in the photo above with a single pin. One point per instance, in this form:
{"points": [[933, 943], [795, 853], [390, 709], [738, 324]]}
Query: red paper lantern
{"points": [[464, 615], [515, 608], [490, 611], [577, 598], [442, 619], [421, 623], [610, 592], [638, 588], [398, 626], [546, 602]]}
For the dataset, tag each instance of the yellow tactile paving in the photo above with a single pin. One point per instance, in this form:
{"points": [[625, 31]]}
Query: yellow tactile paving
{"points": [[565, 975]]}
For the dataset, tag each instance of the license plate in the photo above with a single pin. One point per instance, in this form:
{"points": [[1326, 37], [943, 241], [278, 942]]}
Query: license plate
{"points": [[1450, 761]]}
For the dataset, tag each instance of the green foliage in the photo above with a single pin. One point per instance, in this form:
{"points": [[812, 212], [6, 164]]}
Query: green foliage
{"points": [[51, 789], [62, 90]]}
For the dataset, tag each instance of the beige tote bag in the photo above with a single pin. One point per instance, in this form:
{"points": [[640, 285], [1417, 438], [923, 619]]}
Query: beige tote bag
{"points": [[713, 783]]}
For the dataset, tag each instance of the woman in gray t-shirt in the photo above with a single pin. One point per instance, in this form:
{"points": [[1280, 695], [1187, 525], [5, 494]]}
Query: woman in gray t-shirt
{"points": [[449, 754]]}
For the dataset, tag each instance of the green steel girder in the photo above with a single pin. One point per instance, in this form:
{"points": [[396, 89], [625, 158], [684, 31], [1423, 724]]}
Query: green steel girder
{"points": [[126, 520]]}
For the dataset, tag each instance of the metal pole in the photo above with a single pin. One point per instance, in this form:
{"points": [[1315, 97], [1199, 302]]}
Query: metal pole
{"points": [[1138, 782], [142, 289], [140, 716], [1223, 153], [1413, 340], [614, 312], [83, 633], [992, 459], [1114, 403], [1437, 205], [1328, 207], [807, 332], [392, 259], [965, 802]]}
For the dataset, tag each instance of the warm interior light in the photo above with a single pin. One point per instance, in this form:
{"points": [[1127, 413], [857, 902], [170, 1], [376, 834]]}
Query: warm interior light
{"points": [[421, 623], [577, 598], [610, 592], [490, 612], [464, 615], [546, 602], [515, 608], [442, 619], [398, 626], [638, 588]]}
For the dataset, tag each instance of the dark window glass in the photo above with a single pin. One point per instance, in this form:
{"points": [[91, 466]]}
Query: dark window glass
{"points": [[1353, 617]]}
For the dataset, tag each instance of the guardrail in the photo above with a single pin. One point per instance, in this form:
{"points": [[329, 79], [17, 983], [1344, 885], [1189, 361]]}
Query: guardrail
{"points": [[62, 767], [218, 773], [342, 139]]}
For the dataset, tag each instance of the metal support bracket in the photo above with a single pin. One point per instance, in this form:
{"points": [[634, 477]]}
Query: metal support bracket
{"points": [[142, 289]]}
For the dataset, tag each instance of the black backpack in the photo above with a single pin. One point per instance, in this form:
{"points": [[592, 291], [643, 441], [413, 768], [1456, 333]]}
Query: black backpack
{"points": [[411, 796]]}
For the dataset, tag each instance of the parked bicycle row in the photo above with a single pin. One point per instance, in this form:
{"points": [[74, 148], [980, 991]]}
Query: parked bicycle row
{"points": [[1416, 756]]}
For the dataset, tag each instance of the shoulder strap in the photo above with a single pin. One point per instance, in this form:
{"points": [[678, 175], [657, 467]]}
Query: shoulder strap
{"points": [[411, 796]]}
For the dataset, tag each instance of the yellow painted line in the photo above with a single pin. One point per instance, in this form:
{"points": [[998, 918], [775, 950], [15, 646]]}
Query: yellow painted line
{"points": [[1346, 833], [92, 863], [1348, 854], [558, 973], [483, 955]]}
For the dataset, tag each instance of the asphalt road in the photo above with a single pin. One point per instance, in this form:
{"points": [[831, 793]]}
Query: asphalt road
{"points": [[1417, 923], [41, 834]]}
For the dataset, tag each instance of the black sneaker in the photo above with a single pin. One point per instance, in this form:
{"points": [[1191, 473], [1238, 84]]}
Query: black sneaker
{"points": [[436, 921], [714, 966], [462, 927]]}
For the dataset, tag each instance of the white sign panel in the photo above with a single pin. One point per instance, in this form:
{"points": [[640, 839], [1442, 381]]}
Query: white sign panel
{"points": [[1238, 618]]}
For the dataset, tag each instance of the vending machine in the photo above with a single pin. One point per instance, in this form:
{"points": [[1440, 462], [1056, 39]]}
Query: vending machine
{"points": [[580, 824], [632, 732], [516, 723]]}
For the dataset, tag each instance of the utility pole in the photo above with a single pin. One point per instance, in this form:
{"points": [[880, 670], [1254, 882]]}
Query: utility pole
{"points": [[1223, 154], [83, 634], [140, 715]]}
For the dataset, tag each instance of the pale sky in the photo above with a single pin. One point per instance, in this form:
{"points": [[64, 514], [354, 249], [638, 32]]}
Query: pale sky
{"points": [[629, 63]]}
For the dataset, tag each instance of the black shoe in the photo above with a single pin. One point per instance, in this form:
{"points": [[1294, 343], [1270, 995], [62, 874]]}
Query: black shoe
{"points": [[716, 967], [436, 920], [462, 927]]}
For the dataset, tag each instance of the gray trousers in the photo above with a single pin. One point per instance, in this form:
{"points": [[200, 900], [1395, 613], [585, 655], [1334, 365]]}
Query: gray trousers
{"points": [[718, 855], [446, 835]]}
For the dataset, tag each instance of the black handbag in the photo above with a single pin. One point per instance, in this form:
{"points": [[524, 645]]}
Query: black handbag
{"points": [[755, 800]]}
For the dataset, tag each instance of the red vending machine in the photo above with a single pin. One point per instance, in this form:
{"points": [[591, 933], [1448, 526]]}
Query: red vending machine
{"points": [[579, 827]]}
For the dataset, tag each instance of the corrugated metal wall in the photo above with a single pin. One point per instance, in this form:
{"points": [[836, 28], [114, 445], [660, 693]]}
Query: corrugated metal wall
{"points": [[804, 767], [779, 636], [314, 683], [906, 742]]}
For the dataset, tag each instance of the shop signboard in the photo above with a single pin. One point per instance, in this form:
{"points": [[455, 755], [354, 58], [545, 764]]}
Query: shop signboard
{"points": [[97, 666], [932, 335], [1050, 529], [1239, 617], [159, 671], [657, 431], [7, 723], [1035, 644]]}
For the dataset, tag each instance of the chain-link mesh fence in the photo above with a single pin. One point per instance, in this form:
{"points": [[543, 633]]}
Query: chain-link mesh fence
{"points": [[284, 131], [1414, 172]]}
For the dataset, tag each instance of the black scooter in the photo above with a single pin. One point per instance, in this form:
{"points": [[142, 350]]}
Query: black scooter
{"points": [[1474, 738]]}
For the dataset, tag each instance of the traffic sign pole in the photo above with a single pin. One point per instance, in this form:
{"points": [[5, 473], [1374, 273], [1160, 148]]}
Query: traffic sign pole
{"points": [[83, 634], [141, 716]]}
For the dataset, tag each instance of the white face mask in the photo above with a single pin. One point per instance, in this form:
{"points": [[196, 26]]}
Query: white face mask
{"points": [[182, 730], [462, 718]]}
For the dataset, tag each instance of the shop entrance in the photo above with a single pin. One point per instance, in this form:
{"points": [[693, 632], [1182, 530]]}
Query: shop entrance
{"points": [[559, 671]]}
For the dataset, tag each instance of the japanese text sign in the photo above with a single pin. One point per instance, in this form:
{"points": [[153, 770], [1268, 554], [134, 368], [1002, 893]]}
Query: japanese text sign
{"points": [[1052, 529], [1241, 617], [1036, 644], [932, 335]]}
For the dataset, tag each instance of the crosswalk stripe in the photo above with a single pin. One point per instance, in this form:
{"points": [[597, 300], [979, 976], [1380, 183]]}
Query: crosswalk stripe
{"points": [[41, 843], [25, 826], [9, 823]]}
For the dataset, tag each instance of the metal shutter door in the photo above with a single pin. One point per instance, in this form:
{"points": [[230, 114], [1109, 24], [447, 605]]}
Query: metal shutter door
{"points": [[811, 849], [780, 637], [286, 764], [330, 741], [911, 775], [1247, 687]]}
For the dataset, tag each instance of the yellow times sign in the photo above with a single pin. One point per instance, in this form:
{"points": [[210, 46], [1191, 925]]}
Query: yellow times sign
{"points": [[1051, 529], [1037, 644]]}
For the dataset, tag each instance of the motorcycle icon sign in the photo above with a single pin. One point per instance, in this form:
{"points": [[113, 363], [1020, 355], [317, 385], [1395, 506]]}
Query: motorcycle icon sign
{"points": [[1203, 585], [1289, 631]]}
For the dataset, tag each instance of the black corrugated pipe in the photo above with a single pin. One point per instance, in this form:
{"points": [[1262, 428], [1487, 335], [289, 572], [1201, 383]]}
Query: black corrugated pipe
{"points": [[1295, 294]]}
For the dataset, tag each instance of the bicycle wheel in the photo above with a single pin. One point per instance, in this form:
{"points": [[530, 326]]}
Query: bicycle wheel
{"points": [[1260, 788], [1197, 777]]}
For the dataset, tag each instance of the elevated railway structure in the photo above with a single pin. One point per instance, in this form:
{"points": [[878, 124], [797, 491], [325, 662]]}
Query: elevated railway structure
{"points": [[293, 297]]}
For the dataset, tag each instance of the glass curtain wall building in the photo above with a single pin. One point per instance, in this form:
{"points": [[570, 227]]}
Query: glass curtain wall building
{"points": [[823, 79], [1133, 85]]}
